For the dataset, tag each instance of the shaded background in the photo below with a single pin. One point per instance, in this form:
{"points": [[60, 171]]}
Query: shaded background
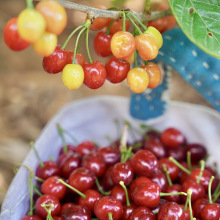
{"points": [[29, 97]]}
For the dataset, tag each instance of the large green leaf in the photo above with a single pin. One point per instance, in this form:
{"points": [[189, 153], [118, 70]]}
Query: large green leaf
{"points": [[200, 21]]}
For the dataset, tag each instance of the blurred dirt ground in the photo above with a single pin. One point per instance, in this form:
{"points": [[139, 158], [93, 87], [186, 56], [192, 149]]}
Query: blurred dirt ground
{"points": [[29, 97]]}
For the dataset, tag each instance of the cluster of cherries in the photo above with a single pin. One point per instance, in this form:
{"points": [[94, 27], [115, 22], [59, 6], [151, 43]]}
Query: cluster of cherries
{"points": [[40, 26], [159, 177]]}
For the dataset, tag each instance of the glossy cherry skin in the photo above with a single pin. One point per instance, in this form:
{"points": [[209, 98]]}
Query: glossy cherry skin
{"points": [[56, 61], [70, 149], [171, 211], [211, 211], [172, 138], [198, 205], [11, 36], [198, 152], [102, 43], [95, 163], [47, 199], [82, 179], [186, 212], [110, 155], [86, 147], [77, 212], [173, 169], [146, 194], [142, 213], [155, 146], [92, 196], [198, 190], [108, 205], [144, 163], [117, 70], [117, 26], [175, 188], [58, 218], [50, 169], [69, 163], [106, 180], [177, 153], [119, 193], [65, 206], [94, 74], [53, 187], [138, 181], [122, 172], [160, 179], [127, 210], [31, 217], [79, 59]]}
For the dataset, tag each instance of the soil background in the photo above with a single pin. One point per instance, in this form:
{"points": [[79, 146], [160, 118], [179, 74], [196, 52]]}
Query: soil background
{"points": [[29, 97]]}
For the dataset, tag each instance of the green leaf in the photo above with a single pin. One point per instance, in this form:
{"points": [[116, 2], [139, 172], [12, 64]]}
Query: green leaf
{"points": [[200, 21], [118, 2]]}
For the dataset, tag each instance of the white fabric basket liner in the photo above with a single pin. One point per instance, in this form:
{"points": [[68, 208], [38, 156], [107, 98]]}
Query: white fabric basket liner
{"points": [[93, 119]]}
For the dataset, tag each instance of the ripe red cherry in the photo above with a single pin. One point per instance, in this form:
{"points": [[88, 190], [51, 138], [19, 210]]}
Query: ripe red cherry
{"points": [[119, 193], [172, 138], [56, 61], [70, 149], [138, 181], [64, 207], [198, 205], [106, 180], [31, 217], [108, 205], [47, 199], [171, 210], [79, 59], [197, 152], [11, 36], [77, 212], [94, 74], [117, 26], [117, 70], [160, 179], [86, 147], [144, 163], [53, 187], [82, 179], [177, 153], [211, 211], [50, 169], [102, 43], [95, 163], [142, 213], [175, 188], [127, 210], [122, 172]]}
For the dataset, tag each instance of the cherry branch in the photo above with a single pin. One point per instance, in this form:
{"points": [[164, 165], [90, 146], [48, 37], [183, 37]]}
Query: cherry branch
{"points": [[94, 12]]}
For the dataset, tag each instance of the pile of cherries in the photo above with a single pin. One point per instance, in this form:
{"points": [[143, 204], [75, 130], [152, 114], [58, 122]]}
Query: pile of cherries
{"points": [[40, 26], [161, 176]]}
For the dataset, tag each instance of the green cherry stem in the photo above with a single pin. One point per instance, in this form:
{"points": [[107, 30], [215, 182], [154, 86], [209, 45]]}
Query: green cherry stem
{"points": [[216, 196], [149, 128], [130, 19], [139, 22], [114, 8], [189, 194], [210, 189], [123, 143], [126, 192], [109, 27], [186, 203], [124, 22], [147, 6], [60, 131], [100, 188], [36, 154], [73, 188], [202, 164], [167, 175], [51, 206], [37, 191], [173, 194], [110, 216], [179, 165], [31, 192], [29, 4], [80, 41], [217, 190], [68, 38], [76, 44], [87, 43], [188, 158]]}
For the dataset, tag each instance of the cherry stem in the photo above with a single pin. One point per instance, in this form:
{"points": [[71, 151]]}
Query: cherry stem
{"points": [[188, 158], [37, 191], [36, 154], [167, 175], [136, 27], [114, 8], [110, 216], [68, 38], [51, 206], [38, 179], [147, 6], [217, 190], [149, 128], [100, 188], [173, 194], [135, 58], [186, 203], [29, 4], [210, 189], [31, 192], [60, 131], [189, 194], [73, 188], [202, 164], [146, 62], [126, 192], [139, 22], [76, 44], [109, 27], [87, 43], [124, 22], [179, 165], [80, 41], [123, 143]]}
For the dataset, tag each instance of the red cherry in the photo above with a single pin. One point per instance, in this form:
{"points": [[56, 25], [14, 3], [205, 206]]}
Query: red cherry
{"points": [[211, 211], [142, 213], [197, 152], [146, 194], [160, 179], [175, 188], [127, 210], [198, 205], [102, 43], [56, 61], [118, 193], [79, 59], [47, 199], [77, 212], [81, 179], [138, 181], [106, 180], [86, 147], [108, 205], [52, 186], [186, 212], [64, 207], [70, 149], [177, 153], [31, 217], [117, 70], [94, 74], [11, 36]]}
